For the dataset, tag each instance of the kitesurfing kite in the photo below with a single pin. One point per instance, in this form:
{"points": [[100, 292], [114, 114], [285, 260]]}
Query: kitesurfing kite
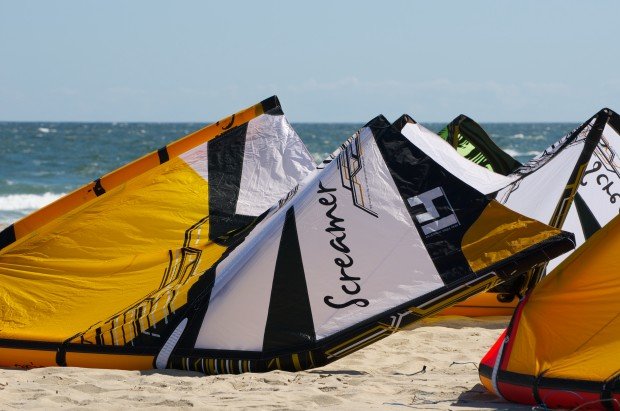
{"points": [[472, 142], [561, 347], [572, 360], [228, 251], [97, 276], [572, 185]]}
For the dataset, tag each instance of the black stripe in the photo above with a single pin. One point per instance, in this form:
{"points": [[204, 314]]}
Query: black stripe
{"points": [[29, 345], [98, 336], [272, 106], [162, 153], [225, 164], [378, 124], [82, 348], [549, 383], [614, 120], [535, 387], [7, 236], [98, 188], [61, 356], [485, 370], [289, 319], [113, 349], [589, 224], [610, 387], [403, 121]]}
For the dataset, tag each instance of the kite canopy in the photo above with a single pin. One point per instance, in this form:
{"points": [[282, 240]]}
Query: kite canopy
{"points": [[377, 238], [105, 269], [572, 185], [561, 347], [180, 260], [472, 142]]}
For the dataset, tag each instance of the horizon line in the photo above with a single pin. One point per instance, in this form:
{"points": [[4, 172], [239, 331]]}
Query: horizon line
{"points": [[290, 121]]}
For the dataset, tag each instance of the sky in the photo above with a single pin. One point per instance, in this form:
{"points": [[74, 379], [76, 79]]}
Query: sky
{"points": [[328, 61]]}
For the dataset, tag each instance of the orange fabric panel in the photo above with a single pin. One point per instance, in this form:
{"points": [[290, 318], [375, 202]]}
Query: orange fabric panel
{"points": [[570, 326], [480, 305], [22, 358], [121, 362]]}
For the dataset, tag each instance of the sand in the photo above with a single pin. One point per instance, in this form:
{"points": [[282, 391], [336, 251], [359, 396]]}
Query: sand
{"points": [[433, 366]]}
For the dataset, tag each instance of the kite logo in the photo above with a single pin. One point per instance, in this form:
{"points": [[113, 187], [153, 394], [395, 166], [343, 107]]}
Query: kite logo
{"points": [[350, 163], [605, 178], [435, 212], [337, 243]]}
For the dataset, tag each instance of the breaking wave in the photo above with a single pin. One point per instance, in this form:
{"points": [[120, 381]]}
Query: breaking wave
{"points": [[19, 202], [515, 153]]}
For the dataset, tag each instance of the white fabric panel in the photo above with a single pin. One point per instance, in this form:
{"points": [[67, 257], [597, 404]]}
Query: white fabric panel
{"points": [[537, 194], [384, 251], [275, 160], [197, 159], [239, 302], [478, 177], [573, 225]]}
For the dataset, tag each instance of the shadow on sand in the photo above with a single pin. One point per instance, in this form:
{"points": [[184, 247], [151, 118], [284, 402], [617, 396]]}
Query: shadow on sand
{"points": [[172, 373], [479, 397]]}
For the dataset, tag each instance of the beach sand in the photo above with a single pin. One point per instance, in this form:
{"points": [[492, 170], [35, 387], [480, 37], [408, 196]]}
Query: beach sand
{"points": [[432, 366]]}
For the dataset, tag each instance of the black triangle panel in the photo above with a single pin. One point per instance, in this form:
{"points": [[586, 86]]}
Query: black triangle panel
{"points": [[589, 224], [289, 320]]}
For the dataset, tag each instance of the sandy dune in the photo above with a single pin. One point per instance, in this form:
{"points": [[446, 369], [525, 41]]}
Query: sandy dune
{"points": [[433, 366]]}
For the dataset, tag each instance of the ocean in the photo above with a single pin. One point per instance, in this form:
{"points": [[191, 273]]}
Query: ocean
{"points": [[40, 162]]}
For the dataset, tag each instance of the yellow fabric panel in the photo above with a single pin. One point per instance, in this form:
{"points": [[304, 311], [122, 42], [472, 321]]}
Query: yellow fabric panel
{"points": [[570, 327], [40, 217], [500, 233], [106, 256], [117, 177]]}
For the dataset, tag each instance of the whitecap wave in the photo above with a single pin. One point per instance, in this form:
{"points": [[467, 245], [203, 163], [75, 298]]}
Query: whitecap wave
{"points": [[521, 136], [515, 153], [19, 202]]}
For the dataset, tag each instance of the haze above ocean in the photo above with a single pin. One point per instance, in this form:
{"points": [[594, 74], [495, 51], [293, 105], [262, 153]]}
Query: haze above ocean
{"points": [[40, 162]]}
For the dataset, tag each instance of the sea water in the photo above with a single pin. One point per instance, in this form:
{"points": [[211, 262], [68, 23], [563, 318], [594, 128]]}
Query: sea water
{"points": [[39, 162]]}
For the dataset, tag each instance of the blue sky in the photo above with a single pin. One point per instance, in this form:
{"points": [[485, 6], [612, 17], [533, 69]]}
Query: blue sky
{"points": [[328, 61]]}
